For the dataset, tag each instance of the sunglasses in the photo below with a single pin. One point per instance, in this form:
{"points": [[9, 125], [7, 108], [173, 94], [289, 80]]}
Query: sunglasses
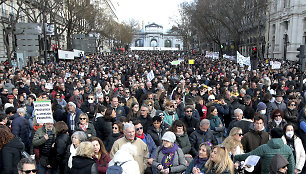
{"points": [[137, 129], [188, 111], [172, 106], [90, 98], [115, 128], [149, 104], [292, 105], [240, 134], [82, 118], [277, 115], [150, 98], [29, 171], [285, 167]]}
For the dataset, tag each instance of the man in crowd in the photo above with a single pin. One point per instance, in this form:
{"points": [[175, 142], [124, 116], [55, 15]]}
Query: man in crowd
{"points": [[27, 166]]}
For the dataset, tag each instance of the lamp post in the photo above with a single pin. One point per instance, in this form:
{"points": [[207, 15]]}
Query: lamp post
{"points": [[44, 30]]}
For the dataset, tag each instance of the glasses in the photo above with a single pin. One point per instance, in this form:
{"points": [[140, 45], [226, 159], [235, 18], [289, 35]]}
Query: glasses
{"points": [[90, 98], [292, 104], [137, 129], [115, 128], [189, 111], [29, 171], [150, 98], [82, 118], [127, 92], [143, 110], [286, 166], [149, 104], [240, 134], [172, 106], [277, 115]]}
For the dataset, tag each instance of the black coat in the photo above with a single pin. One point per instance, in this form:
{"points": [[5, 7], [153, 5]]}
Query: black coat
{"points": [[58, 152], [146, 123], [191, 124], [83, 165], [157, 135], [198, 136], [89, 109], [10, 155], [103, 127], [110, 140]]}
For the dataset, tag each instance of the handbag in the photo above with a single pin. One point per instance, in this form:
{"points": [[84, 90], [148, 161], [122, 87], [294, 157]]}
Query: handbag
{"points": [[43, 160]]}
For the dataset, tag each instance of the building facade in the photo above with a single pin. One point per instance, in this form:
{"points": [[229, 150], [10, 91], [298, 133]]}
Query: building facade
{"points": [[287, 28], [153, 35]]}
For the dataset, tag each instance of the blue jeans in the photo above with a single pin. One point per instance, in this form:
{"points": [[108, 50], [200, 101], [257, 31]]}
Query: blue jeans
{"points": [[44, 170]]}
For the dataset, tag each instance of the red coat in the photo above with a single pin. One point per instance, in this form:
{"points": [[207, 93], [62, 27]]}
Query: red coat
{"points": [[102, 163]]}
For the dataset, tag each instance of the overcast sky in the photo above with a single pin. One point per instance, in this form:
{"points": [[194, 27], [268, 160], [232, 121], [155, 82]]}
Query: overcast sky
{"points": [[162, 12]]}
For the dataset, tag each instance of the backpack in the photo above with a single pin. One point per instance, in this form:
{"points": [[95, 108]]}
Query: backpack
{"points": [[115, 169]]}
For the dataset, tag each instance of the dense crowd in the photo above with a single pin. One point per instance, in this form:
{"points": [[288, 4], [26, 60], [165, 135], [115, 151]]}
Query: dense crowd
{"points": [[135, 112]]}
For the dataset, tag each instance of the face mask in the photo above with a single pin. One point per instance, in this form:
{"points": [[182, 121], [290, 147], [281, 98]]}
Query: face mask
{"points": [[290, 134], [263, 112], [90, 101], [278, 102]]}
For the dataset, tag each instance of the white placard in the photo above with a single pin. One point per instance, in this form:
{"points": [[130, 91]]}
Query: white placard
{"points": [[150, 76], [241, 60], [43, 111], [276, 65], [49, 86]]}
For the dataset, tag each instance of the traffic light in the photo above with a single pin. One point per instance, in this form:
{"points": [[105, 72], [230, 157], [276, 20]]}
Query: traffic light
{"points": [[254, 52]]}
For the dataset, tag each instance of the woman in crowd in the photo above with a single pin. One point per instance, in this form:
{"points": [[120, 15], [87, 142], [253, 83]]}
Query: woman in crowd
{"points": [[10, 152], [295, 143], [60, 148], [197, 165], [170, 113], [100, 156], [233, 142], [104, 124], [76, 138], [219, 162], [169, 157], [115, 135], [85, 125], [215, 123], [291, 113], [82, 162], [277, 120], [182, 140], [133, 111], [99, 119]]}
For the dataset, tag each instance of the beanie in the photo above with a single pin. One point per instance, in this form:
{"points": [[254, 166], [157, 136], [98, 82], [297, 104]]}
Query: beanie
{"points": [[169, 136], [276, 132], [72, 104], [261, 106]]}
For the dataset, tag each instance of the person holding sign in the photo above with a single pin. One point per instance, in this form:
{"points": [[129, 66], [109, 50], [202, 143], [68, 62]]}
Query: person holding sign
{"points": [[85, 125]]}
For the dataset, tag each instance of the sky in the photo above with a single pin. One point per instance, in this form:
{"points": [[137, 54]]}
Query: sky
{"points": [[162, 12]]}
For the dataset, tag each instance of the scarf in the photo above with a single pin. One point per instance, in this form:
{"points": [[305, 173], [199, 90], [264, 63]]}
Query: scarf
{"points": [[169, 154], [278, 122], [84, 127], [199, 162], [141, 137]]}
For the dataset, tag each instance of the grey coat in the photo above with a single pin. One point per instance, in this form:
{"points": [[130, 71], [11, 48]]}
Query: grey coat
{"points": [[179, 162]]}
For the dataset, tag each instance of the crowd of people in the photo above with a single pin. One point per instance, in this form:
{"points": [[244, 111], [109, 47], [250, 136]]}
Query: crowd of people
{"points": [[135, 112]]}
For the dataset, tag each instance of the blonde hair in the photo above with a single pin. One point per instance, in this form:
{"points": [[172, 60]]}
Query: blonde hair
{"points": [[85, 115], [223, 161], [85, 149], [230, 142]]}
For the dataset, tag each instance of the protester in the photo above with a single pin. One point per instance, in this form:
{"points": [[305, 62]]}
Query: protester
{"points": [[117, 133], [85, 125], [197, 165], [101, 156], [219, 161], [180, 131], [26, 165]]}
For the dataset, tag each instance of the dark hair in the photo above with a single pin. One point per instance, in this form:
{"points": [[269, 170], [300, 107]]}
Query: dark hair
{"points": [[277, 111], [210, 110], [2, 117], [61, 127], [188, 107], [249, 112], [175, 124], [100, 108], [120, 126], [289, 124], [9, 110], [135, 122], [108, 114], [25, 161], [5, 137], [156, 118], [259, 117]]}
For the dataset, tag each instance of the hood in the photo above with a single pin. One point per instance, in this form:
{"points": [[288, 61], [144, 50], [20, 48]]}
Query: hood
{"points": [[80, 162], [277, 162], [122, 155], [15, 143], [275, 143]]}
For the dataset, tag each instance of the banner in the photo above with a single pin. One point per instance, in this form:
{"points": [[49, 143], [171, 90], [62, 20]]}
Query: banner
{"points": [[213, 55], [191, 61], [43, 112], [276, 64], [150, 76], [241, 60]]}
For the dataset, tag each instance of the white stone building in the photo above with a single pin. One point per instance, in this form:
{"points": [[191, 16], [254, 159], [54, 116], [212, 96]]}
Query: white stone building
{"points": [[153, 35], [286, 28]]}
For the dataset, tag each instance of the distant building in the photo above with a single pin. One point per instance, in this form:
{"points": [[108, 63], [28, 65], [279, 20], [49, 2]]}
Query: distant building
{"points": [[153, 36], [287, 28]]}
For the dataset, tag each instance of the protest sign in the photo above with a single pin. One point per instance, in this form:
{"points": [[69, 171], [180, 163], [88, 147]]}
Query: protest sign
{"points": [[150, 75], [43, 112], [191, 61], [276, 64], [241, 60]]}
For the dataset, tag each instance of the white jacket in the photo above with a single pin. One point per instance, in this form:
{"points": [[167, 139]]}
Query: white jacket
{"points": [[129, 167], [299, 152]]}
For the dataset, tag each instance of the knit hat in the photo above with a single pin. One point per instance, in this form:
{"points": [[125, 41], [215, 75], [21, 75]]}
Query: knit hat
{"points": [[211, 97], [71, 103], [276, 132], [261, 106], [169, 136]]}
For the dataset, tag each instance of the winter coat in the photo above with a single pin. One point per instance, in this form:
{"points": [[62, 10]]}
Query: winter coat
{"points": [[145, 122], [157, 134], [191, 165], [267, 151], [142, 151], [43, 144], [76, 119], [191, 124], [183, 142], [58, 152], [110, 140], [10, 155], [21, 128], [272, 124], [299, 152], [277, 162], [168, 118], [83, 165], [281, 106], [151, 145], [244, 124], [179, 163], [197, 137], [103, 127], [90, 129], [129, 167], [88, 109], [254, 139], [102, 163], [291, 116]]}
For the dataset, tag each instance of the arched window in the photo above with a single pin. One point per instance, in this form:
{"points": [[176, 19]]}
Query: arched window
{"points": [[167, 43], [153, 43]]}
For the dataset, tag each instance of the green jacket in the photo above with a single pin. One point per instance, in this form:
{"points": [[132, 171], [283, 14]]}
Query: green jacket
{"points": [[183, 142], [267, 151]]}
